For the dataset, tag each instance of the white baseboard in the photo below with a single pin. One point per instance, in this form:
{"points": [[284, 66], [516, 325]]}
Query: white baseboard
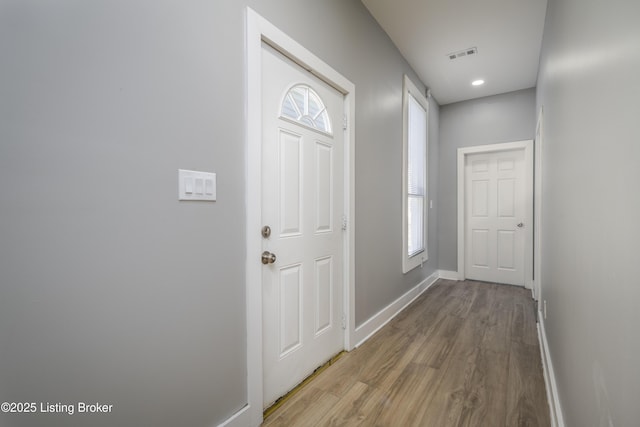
{"points": [[242, 418], [375, 323], [448, 275], [557, 420]]}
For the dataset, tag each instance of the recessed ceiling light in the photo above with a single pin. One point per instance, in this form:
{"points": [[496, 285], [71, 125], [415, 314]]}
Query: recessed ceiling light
{"points": [[477, 82]]}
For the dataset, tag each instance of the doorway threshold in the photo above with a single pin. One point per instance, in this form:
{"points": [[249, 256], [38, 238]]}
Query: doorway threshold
{"points": [[283, 399]]}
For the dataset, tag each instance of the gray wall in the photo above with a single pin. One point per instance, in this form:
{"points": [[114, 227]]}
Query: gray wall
{"points": [[494, 119], [588, 86], [110, 289]]}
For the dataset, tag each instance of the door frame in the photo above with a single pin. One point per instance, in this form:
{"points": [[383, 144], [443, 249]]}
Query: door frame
{"points": [[527, 146], [537, 206], [260, 30]]}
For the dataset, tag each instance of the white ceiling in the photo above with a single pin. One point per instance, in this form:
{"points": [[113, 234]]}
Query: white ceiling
{"points": [[507, 34]]}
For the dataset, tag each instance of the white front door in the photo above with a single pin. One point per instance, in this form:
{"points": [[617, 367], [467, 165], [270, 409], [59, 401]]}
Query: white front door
{"points": [[303, 206], [496, 203]]}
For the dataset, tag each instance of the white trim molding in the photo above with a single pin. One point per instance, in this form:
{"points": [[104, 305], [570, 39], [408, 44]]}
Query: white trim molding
{"points": [[555, 410], [527, 146], [239, 419], [258, 31], [448, 275], [537, 205], [384, 316]]}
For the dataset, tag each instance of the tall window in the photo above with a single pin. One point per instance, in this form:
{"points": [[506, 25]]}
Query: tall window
{"points": [[415, 113]]}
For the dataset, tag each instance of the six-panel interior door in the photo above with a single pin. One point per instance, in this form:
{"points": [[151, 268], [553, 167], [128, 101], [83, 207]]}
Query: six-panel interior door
{"points": [[302, 204], [495, 203]]}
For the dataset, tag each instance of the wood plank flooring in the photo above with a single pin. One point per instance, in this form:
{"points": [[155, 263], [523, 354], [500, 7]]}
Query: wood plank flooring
{"points": [[462, 354]]}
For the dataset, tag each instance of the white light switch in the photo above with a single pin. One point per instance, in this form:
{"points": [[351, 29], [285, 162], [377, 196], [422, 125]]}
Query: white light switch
{"points": [[195, 185], [208, 187]]}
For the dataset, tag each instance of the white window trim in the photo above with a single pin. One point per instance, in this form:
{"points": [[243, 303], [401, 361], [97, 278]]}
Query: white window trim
{"points": [[409, 263]]}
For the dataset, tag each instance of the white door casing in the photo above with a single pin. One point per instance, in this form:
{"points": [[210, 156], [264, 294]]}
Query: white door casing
{"points": [[260, 30], [537, 203], [495, 213], [302, 204]]}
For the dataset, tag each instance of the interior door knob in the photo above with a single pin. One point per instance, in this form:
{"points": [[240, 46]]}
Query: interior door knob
{"points": [[520, 225], [268, 257]]}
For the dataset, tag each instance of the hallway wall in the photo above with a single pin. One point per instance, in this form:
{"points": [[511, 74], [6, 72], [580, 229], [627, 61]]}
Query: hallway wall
{"points": [[110, 289], [588, 87], [501, 118]]}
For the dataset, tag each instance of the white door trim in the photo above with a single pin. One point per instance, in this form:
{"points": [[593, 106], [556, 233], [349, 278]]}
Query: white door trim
{"points": [[260, 30], [527, 146], [537, 205]]}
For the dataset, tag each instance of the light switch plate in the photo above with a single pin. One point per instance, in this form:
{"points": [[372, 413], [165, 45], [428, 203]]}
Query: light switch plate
{"points": [[195, 185]]}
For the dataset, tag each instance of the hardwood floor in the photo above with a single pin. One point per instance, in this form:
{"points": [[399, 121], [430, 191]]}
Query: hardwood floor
{"points": [[462, 354]]}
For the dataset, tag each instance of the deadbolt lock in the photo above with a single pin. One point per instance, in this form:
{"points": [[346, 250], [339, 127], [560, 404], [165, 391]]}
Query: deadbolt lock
{"points": [[266, 231]]}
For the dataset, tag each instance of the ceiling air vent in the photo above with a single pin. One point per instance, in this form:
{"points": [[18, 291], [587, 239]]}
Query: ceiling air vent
{"points": [[461, 53]]}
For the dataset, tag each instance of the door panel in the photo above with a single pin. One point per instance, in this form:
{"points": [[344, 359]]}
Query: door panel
{"points": [[506, 198], [324, 185], [495, 205], [302, 196], [480, 198], [290, 292], [506, 249], [290, 185], [480, 248], [323, 285]]}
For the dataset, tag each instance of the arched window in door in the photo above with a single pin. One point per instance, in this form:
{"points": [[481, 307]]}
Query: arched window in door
{"points": [[303, 105]]}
